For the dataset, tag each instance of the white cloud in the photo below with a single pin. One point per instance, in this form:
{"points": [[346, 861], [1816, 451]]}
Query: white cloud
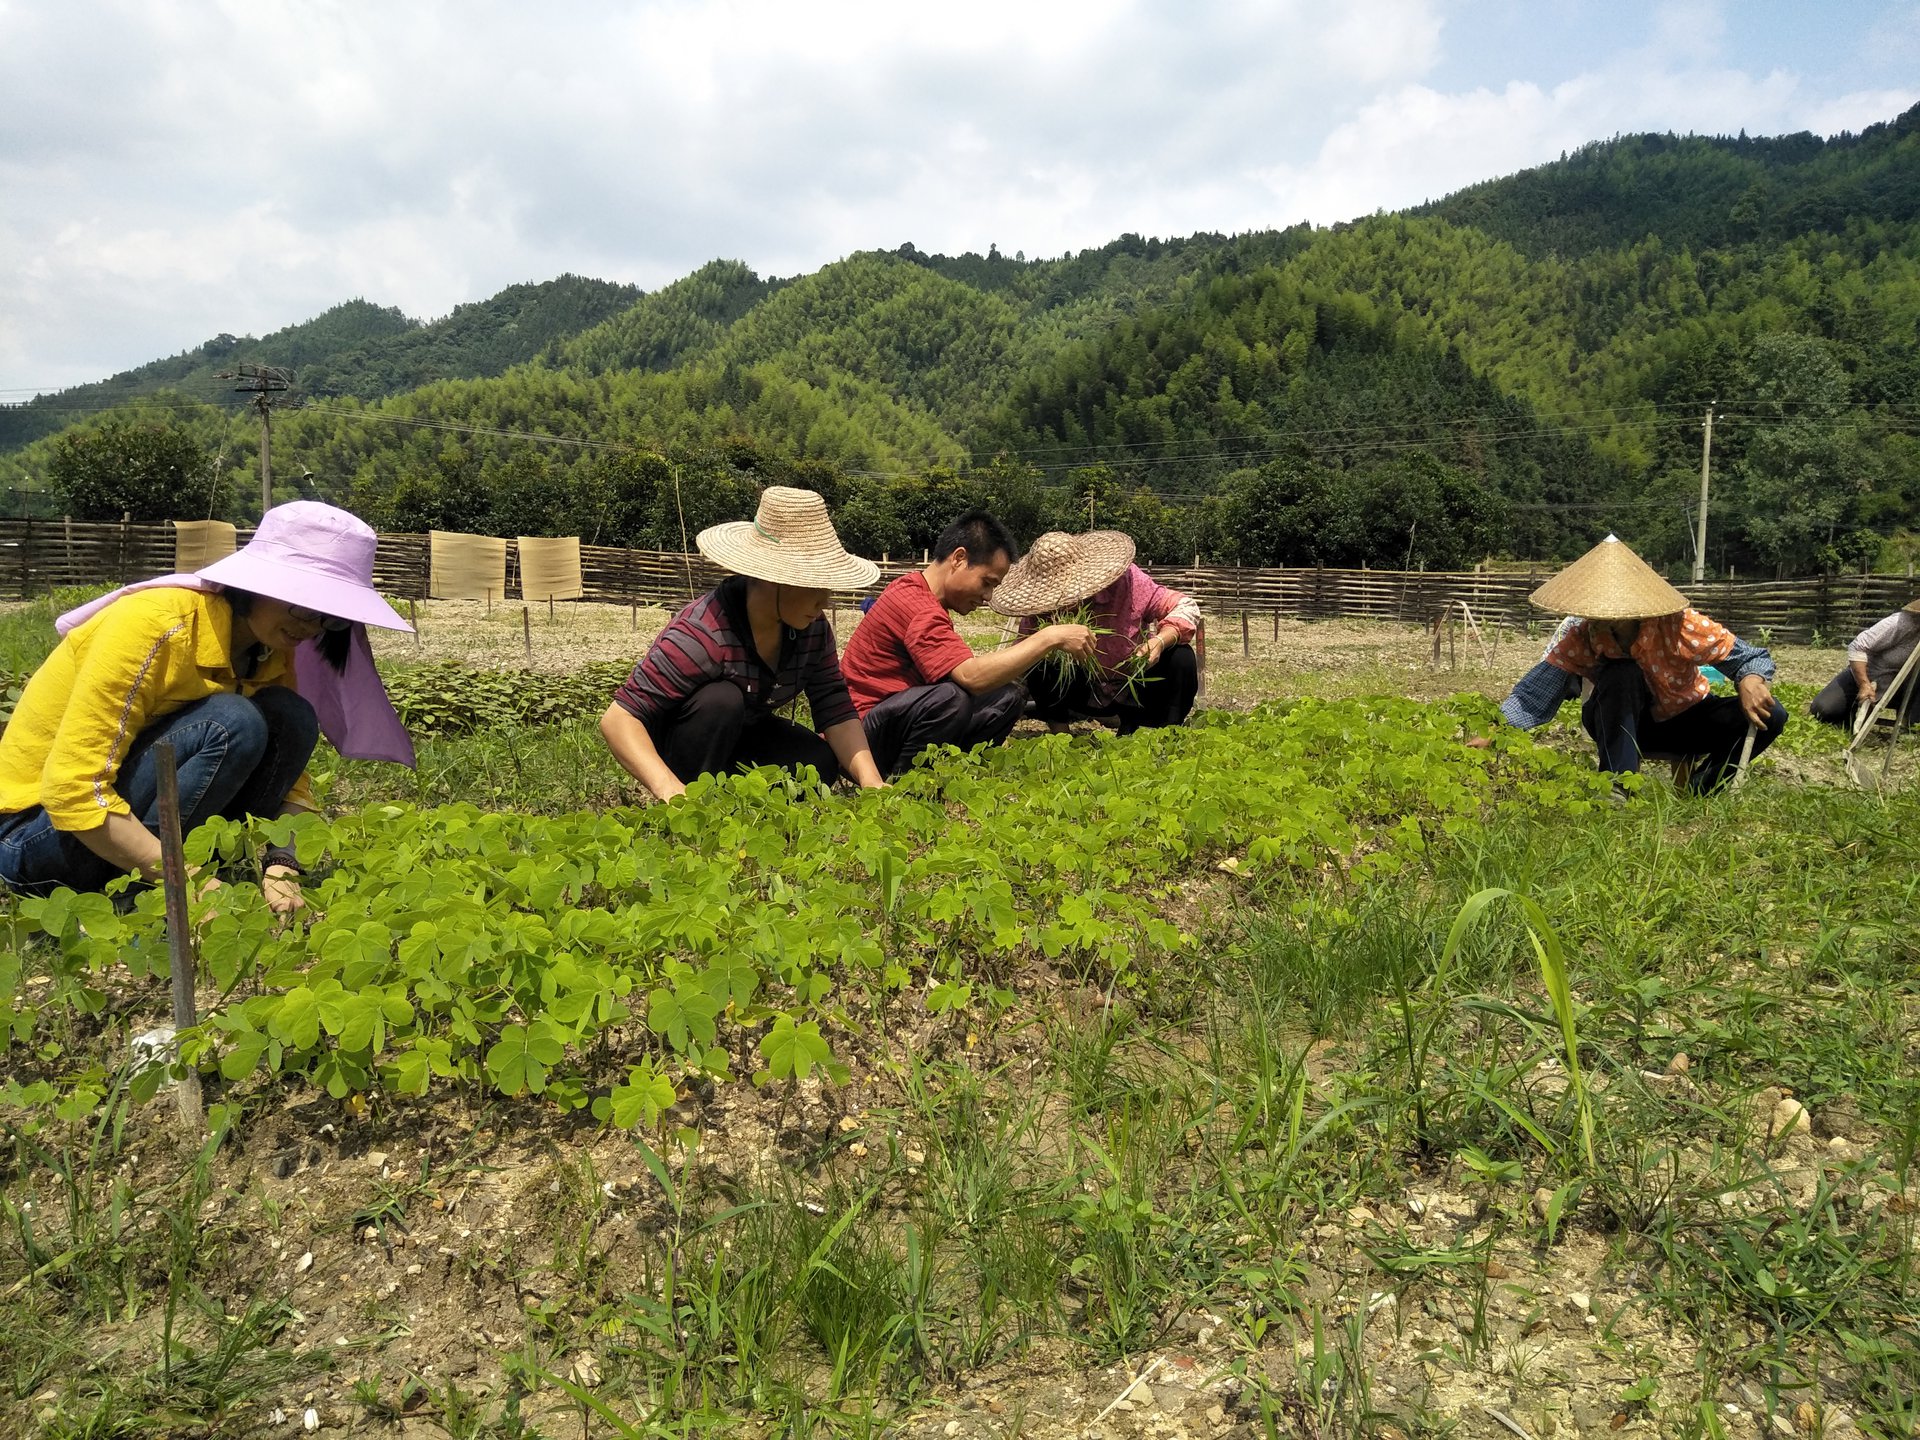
{"points": [[1416, 144], [170, 170], [1857, 111]]}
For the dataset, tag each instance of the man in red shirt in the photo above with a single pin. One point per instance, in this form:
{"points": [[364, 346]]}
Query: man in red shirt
{"points": [[915, 682]]}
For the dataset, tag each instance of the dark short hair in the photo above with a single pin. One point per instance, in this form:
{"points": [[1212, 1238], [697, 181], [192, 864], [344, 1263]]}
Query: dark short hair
{"points": [[981, 534]]}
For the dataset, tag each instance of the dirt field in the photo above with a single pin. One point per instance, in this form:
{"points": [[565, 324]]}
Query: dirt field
{"points": [[424, 1253], [1329, 657]]}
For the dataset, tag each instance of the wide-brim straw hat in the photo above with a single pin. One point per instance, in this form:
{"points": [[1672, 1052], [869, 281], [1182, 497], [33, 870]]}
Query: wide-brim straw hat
{"points": [[1610, 582], [789, 541], [1913, 605], [1062, 570], [313, 555]]}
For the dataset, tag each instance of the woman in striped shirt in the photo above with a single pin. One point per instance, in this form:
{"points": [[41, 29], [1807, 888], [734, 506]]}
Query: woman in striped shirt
{"points": [[702, 701]]}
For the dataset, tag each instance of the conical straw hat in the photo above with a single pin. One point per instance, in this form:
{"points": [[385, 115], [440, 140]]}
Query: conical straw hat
{"points": [[1062, 570], [1609, 582], [790, 542]]}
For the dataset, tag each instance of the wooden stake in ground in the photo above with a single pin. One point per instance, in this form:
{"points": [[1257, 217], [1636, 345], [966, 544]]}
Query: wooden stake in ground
{"points": [[1450, 616], [1899, 729], [413, 619], [173, 872], [526, 629], [1746, 755]]}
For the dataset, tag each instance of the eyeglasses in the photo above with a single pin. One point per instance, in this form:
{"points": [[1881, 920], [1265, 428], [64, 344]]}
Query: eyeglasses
{"points": [[315, 617]]}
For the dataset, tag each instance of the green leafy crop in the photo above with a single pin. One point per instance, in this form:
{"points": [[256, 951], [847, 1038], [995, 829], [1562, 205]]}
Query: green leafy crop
{"points": [[603, 961]]}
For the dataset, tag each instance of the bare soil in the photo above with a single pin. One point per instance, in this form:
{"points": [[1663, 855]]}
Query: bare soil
{"points": [[424, 1245], [1283, 657]]}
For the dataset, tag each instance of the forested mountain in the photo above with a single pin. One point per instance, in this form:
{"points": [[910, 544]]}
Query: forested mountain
{"points": [[681, 322], [1515, 370], [1696, 192], [357, 348]]}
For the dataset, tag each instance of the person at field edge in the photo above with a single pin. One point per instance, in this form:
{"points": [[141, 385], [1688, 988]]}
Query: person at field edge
{"points": [[1642, 646], [1874, 659], [916, 683], [702, 699], [241, 665], [1145, 672]]}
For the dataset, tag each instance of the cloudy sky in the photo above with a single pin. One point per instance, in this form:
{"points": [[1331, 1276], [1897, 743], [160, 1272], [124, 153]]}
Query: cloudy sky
{"points": [[170, 170]]}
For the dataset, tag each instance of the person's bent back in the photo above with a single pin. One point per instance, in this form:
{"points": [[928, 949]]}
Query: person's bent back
{"points": [[915, 681], [1875, 661], [240, 667], [702, 700]]}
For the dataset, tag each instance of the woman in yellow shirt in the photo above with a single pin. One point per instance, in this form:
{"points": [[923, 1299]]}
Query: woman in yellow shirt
{"points": [[241, 665]]}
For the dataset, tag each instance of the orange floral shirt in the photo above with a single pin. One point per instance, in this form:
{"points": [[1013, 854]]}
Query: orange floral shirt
{"points": [[1669, 651]]}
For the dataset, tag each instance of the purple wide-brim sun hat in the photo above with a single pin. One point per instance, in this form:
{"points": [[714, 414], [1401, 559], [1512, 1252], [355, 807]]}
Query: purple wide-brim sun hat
{"points": [[313, 555]]}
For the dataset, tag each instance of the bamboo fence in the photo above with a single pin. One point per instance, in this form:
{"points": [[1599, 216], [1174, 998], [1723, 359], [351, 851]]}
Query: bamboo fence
{"points": [[37, 556]]}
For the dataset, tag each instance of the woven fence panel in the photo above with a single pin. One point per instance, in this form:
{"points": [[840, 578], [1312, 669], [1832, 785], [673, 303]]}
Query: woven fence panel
{"points": [[39, 555], [403, 566], [201, 542], [467, 567], [549, 568]]}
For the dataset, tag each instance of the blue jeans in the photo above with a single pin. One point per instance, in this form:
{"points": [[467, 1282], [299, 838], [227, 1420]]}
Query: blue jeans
{"points": [[236, 757]]}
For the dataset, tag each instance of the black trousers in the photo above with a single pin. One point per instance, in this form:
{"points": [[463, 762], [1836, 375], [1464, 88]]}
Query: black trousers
{"points": [[1840, 697], [713, 735], [913, 720], [1619, 717], [1166, 699]]}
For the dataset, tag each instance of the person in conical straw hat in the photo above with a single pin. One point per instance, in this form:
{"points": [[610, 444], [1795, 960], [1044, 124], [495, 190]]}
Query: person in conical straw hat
{"points": [[1641, 647], [917, 683], [241, 666], [702, 700], [1144, 673], [1875, 661]]}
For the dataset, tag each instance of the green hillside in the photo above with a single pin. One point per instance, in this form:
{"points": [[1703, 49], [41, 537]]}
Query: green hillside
{"points": [[1697, 192], [680, 322], [357, 349], [1515, 369]]}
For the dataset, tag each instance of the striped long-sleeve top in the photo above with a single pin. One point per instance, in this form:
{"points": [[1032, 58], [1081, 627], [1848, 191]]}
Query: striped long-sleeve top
{"points": [[712, 640]]}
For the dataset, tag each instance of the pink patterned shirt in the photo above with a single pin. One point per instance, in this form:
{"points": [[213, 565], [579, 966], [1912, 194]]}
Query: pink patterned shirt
{"points": [[1131, 605]]}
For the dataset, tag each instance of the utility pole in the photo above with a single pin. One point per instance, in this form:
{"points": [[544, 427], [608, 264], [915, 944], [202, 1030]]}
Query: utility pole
{"points": [[1700, 534], [263, 382]]}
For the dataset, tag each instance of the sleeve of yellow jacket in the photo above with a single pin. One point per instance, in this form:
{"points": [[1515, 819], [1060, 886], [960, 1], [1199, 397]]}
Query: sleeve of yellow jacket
{"points": [[144, 657], [135, 661]]}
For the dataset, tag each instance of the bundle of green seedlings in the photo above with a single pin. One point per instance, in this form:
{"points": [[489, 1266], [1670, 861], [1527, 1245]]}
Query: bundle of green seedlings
{"points": [[1132, 671]]}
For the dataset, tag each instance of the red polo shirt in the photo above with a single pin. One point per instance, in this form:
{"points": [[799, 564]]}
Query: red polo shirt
{"points": [[907, 639]]}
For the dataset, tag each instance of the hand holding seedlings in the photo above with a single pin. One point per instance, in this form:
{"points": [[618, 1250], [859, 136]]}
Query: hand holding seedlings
{"points": [[1073, 640], [1147, 653]]}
